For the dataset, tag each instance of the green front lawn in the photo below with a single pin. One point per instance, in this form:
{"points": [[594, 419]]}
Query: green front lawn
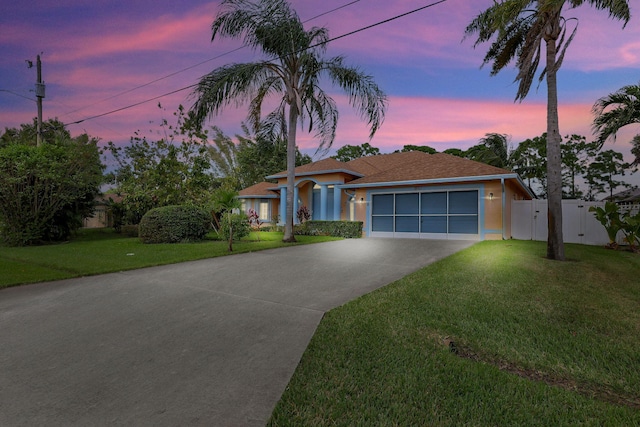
{"points": [[494, 335], [103, 251]]}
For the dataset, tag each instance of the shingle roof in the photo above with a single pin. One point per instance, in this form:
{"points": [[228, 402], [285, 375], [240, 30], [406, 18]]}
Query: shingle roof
{"points": [[627, 196], [397, 167], [419, 166], [374, 164], [261, 189]]}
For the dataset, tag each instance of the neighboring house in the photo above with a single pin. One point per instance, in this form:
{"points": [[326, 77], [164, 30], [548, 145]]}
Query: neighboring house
{"points": [[102, 215], [410, 194], [628, 200], [626, 197]]}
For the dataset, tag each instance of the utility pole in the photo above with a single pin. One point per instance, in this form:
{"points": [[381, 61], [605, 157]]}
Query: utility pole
{"points": [[39, 95]]}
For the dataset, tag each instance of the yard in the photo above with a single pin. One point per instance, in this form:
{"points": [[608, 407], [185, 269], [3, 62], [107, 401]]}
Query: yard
{"points": [[98, 251], [494, 335]]}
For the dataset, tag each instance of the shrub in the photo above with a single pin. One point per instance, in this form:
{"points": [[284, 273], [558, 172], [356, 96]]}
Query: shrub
{"points": [[174, 224], [46, 190], [346, 229], [303, 214], [239, 224]]}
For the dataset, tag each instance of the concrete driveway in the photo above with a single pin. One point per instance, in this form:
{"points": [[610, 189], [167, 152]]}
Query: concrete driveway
{"points": [[210, 342]]}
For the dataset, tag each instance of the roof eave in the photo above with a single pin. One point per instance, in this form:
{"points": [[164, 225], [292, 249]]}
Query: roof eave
{"points": [[441, 181], [321, 172]]}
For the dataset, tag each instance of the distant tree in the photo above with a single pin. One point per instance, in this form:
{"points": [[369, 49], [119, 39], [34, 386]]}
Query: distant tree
{"points": [[52, 130], [423, 148], [251, 158], [351, 152], [635, 150], [529, 160], [615, 111], [259, 158], [455, 152], [294, 69], [46, 191], [518, 29], [601, 173], [493, 150], [173, 170], [576, 155], [224, 153]]}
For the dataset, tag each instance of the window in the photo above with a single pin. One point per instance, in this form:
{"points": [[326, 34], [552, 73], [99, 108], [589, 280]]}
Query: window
{"points": [[263, 211]]}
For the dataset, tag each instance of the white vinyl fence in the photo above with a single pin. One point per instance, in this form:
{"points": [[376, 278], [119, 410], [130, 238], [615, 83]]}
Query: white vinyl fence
{"points": [[529, 222]]}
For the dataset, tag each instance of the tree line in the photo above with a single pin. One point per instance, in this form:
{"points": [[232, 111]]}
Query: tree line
{"points": [[588, 173]]}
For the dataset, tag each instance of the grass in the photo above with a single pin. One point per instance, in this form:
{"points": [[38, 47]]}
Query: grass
{"points": [[101, 251], [493, 335]]}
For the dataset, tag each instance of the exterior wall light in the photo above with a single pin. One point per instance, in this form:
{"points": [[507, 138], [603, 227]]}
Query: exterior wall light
{"points": [[490, 196]]}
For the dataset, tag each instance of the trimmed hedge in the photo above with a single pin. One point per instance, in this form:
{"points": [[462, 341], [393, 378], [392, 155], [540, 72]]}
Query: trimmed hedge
{"points": [[346, 229], [174, 224]]}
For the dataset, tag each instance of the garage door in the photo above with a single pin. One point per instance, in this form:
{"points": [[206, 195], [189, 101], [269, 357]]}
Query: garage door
{"points": [[435, 215]]}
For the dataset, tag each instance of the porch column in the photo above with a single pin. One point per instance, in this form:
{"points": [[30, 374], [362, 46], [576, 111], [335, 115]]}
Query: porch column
{"points": [[323, 202], [283, 205], [295, 204], [504, 209], [337, 197]]}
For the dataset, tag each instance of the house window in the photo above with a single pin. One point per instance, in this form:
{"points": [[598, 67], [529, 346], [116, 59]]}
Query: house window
{"points": [[263, 211]]}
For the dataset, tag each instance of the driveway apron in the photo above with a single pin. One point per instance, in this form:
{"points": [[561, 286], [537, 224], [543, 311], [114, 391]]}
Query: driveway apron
{"points": [[211, 342]]}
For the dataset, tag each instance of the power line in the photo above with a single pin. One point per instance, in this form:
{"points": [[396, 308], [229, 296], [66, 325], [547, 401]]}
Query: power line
{"points": [[196, 65], [310, 47], [17, 94], [132, 105]]}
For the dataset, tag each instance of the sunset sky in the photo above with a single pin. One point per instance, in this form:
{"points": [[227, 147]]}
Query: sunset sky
{"points": [[100, 56]]}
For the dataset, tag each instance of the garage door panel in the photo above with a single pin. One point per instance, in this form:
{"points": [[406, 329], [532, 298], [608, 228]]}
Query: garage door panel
{"points": [[433, 203], [382, 204], [407, 204], [382, 223], [407, 224], [434, 224], [463, 224]]}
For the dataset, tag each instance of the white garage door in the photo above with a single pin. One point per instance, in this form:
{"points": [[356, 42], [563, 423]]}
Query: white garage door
{"points": [[431, 215]]}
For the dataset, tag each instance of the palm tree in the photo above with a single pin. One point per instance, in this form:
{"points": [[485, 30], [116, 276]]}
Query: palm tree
{"points": [[519, 28], [225, 201], [292, 71], [626, 110], [493, 150]]}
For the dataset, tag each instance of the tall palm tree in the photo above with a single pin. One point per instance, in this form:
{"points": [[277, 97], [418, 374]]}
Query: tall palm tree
{"points": [[626, 110], [292, 70], [518, 29]]}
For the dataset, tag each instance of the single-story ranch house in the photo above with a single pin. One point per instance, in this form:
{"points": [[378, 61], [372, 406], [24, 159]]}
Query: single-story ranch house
{"points": [[409, 194]]}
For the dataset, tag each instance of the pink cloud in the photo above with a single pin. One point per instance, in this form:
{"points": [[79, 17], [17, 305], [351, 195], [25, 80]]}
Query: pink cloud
{"points": [[447, 123], [164, 33]]}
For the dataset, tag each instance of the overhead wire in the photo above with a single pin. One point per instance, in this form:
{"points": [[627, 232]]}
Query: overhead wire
{"points": [[195, 65], [310, 47]]}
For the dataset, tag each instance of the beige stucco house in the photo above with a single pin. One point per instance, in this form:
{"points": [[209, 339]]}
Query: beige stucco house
{"points": [[410, 194]]}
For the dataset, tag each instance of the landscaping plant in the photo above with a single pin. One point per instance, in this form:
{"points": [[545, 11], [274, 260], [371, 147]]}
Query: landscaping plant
{"points": [[609, 217], [254, 221]]}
